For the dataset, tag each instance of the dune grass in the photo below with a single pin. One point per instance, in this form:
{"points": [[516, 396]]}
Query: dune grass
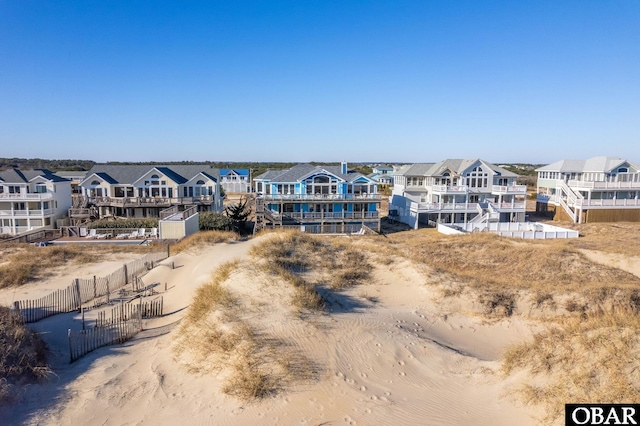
{"points": [[293, 256], [21, 263], [22, 355], [591, 358], [204, 238], [215, 337]]}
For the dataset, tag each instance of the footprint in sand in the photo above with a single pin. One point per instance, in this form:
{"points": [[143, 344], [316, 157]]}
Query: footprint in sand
{"points": [[349, 420], [363, 388], [363, 375], [387, 393], [401, 362], [402, 373]]}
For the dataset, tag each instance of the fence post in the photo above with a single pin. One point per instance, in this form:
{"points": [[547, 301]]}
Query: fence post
{"points": [[82, 309], [70, 347], [77, 287], [168, 249], [126, 276], [140, 315], [95, 293]]}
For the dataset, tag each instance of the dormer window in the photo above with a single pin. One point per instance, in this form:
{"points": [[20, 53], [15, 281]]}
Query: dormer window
{"points": [[200, 182], [95, 182], [155, 177], [623, 170]]}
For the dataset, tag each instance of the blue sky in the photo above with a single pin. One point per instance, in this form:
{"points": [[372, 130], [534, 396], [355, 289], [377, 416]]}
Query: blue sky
{"points": [[387, 81]]}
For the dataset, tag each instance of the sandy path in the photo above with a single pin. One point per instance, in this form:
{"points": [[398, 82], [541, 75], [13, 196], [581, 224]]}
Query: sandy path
{"points": [[400, 359]]}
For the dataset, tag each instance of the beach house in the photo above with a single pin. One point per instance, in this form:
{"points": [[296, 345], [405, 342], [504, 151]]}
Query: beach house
{"points": [[32, 199], [235, 180], [456, 191], [599, 189], [318, 199], [145, 190]]}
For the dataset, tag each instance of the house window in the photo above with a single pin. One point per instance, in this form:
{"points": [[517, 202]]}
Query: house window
{"points": [[623, 170], [14, 189], [41, 188]]}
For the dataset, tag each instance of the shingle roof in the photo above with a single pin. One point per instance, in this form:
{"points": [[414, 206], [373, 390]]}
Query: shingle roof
{"points": [[24, 176], [457, 166], [128, 174], [240, 172], [594, 164], [299, 171]]}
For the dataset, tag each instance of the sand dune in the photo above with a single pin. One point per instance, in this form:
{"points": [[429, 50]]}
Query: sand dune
{"points": [[383, 353]]}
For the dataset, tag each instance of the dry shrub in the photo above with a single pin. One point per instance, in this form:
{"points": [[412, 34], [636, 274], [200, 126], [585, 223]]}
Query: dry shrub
{"points": [[497, 303], [204, 238], [22, 354], [592, 358]]}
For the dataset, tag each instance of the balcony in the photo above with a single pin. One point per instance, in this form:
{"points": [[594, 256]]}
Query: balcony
{"points": [[450, 189], [150, 201], [26, 197], [510, 189], [625, 203], [447, 207], [320, 197], [27, 213], [603, 185], [509, 207], [331, 216]]}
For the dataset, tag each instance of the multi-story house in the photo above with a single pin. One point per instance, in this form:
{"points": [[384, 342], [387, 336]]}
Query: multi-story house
{"points": [[235, 180], [383, 175], [32, 199], [145, 190], [599, 189], [456, 191], [318, 199]]}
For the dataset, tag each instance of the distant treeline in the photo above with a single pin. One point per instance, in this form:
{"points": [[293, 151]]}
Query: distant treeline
{"points": [[39, 163], [256, 168]]}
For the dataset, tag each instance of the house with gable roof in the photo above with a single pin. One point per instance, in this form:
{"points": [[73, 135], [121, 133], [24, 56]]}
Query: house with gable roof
{"points": [[456, 191], [145, 190], [32, 199], [598, 189], [318, 199], [235, 180]]}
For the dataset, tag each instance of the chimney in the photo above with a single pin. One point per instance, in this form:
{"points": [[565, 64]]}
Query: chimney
{"points": [[343, 167]]}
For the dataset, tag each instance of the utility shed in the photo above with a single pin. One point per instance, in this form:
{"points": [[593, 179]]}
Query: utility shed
{"points": [[174, 224]]}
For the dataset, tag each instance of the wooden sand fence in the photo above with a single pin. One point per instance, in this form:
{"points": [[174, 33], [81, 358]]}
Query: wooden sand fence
{"points": [[81, 291], [123, 322]]}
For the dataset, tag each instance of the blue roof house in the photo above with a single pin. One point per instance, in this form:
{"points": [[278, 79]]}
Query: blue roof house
{"points": [[317, 199]]}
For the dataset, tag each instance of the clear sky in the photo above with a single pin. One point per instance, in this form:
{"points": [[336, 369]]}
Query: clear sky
{"points": [[304, 80]]}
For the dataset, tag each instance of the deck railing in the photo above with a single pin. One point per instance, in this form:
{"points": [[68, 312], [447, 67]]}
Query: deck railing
{"points": [[319, 197], [27, 196], [150, 201]]}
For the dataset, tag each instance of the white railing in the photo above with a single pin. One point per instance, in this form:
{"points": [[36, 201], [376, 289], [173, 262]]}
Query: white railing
{"points": [[30, 196], [509, 206], [34, 212], [632, 202], [332, 215], [285, 197], [146, 201], [450, 188], [448, 206], [603, 185], [510, 189]]}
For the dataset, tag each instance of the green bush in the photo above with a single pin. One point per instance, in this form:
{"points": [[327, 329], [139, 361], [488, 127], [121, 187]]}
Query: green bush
{"points": [[211, 221]]}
